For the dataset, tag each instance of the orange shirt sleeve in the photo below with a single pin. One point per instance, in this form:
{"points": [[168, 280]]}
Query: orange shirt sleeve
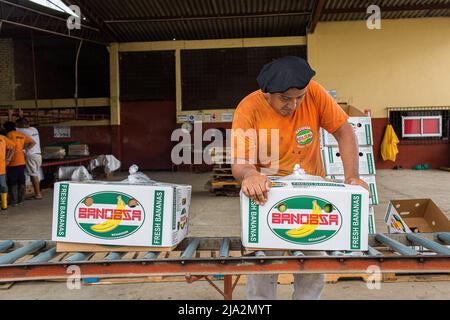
{"points": [[9, 144], [331, 115], [244, 138]]}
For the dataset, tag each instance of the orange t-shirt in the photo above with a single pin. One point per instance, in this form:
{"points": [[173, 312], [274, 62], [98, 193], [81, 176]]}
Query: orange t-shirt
{"points": [[5, 144], [20, 140], [299, 140]]}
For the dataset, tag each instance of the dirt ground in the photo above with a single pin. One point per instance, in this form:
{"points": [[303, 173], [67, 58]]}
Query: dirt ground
{"points": [[219, 216]]}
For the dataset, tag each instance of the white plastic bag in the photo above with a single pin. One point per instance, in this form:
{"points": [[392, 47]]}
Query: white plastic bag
{"points": [[79, 173], [110, 163], [299, 174], [137, 177]]}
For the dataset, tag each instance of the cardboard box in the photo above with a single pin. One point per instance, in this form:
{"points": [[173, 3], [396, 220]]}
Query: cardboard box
{"points": [[351, 110], [362, 126], [369, 179], [114, 213], [78, 150], [372, 228], [333, 162], [53, 153], [415, 215], [307, 215]]}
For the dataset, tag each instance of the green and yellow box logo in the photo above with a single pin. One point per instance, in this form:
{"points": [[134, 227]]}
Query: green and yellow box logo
{"points": [[109, 215], [304, 220]]}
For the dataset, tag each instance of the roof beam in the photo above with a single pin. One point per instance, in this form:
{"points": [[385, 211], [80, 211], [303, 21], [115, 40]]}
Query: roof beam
{"points": [[417, 7], [216, 17], [22, 16], [94, 16], [316, 15]]}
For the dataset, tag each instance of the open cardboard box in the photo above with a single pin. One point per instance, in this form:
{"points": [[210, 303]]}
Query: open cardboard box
{"points": [[420, 215], [351, 110], [361, 123]]}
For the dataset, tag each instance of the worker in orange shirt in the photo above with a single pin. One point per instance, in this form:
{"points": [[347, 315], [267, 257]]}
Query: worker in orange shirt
{"points": [[16, 168], [7, 148], [295, 107]]}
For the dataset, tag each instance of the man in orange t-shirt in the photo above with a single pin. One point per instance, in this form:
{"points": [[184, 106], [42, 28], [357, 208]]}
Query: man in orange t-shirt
{"points": [[291, 108], [16, 166], [6, 152]]}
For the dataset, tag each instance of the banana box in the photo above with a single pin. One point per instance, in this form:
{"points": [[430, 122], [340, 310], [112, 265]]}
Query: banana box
{"points": [[151, 215], [372, 229], [415, 215], [394, 222], [362, 126], [333, 161], [369, 179], [307, 215]]}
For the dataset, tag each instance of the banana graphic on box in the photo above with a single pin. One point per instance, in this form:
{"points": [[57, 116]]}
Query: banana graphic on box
{"points": [[306, 229], [110, 224]]}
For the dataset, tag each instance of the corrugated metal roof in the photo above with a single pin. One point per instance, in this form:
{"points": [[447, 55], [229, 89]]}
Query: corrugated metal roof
{"points": [[202, 19], [156, 20], [390, 9]]}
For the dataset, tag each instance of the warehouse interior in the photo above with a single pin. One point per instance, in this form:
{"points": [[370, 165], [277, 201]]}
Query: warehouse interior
{"points": [[135, 71]]}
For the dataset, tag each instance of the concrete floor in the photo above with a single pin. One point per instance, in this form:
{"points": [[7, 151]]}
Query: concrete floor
{"points": [[219, 216]]}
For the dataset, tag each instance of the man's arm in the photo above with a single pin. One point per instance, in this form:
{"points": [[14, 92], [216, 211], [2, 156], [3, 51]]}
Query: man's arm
{"points": [[348, 148], [9, 155], [254, 184], [10, 150]]}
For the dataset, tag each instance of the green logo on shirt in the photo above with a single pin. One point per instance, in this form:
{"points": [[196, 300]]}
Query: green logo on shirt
{"points": [[304, 136]]}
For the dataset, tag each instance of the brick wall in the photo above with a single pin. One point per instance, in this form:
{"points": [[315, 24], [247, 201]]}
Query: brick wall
{"points": [[6, 70]]}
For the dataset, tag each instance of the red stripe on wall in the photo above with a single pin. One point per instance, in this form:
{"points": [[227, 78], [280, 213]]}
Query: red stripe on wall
{"points": [[436, 155]]}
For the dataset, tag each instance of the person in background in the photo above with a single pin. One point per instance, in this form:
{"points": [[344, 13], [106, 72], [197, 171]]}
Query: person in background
{"points": [[7, 148], [16, 168], [33, 156]]}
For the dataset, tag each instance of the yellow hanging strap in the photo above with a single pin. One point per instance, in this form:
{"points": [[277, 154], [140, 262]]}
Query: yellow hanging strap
{"points": [[389, 148]]}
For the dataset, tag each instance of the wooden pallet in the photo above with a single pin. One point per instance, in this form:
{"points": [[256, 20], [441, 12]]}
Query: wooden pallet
{"points": [[165, 279], [224, 188], [335, 278], [398, 277], [283, 279], [222, 178], [222, 181], [84, 247], [223, 166], [6, 285]]}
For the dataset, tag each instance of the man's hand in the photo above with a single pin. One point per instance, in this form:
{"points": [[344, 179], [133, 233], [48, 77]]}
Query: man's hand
{"points": [[255, 186]]}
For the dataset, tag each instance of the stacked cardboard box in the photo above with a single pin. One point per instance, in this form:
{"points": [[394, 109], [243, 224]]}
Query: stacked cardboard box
{"points": [[331, 157], [78, 150], [53, 153]]}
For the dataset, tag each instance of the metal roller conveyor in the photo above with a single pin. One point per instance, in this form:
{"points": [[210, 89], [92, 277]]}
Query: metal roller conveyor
{"points": [[21, 252], [44, 256], [395, 245], [390, 252], [224, 248]]}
